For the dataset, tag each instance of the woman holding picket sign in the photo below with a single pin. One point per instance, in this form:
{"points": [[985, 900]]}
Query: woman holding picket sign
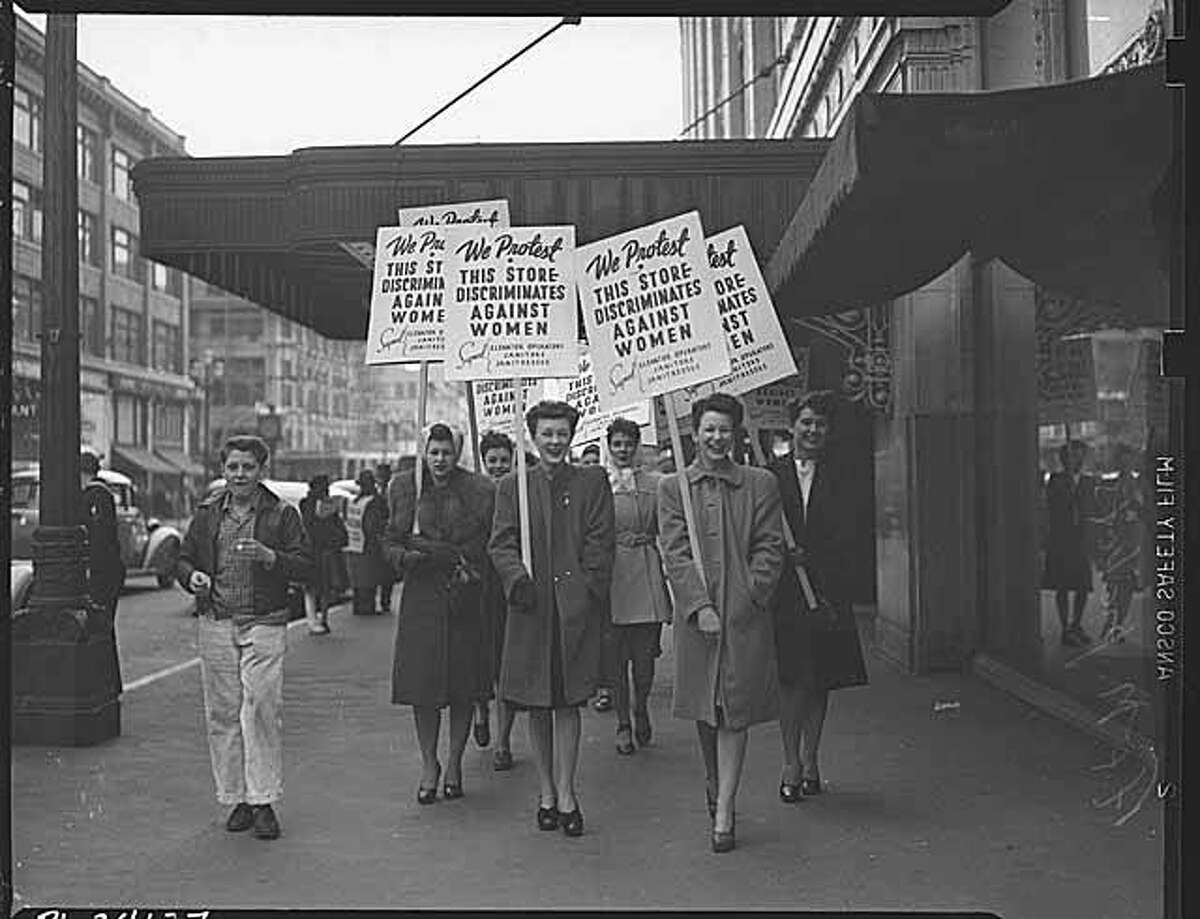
{"points": [[556, 612], [725, 672], [442, 623]]}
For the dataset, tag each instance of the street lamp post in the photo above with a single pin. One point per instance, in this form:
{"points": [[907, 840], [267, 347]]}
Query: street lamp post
{"points": [[65, 685], [204, 373]]}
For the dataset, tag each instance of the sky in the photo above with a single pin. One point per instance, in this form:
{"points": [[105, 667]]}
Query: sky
{"points": [[239, 86]]}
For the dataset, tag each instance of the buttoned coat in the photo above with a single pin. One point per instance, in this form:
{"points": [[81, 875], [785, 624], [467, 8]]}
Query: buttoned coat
{"points": [[819, 658], [572, 543], [639, 589], [441, 628], [737, 514]]}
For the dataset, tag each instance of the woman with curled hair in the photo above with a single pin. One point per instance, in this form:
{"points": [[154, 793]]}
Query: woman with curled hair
{"points": [[639, 601], [725, 674], [442, 618], [817, 650], [556, 612]]}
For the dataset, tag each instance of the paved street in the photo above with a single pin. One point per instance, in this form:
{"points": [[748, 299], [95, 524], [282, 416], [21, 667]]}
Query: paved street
{"points": [[987, 805]]}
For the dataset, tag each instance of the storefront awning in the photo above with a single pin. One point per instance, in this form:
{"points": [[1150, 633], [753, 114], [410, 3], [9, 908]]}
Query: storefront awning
{"points": [[290, 233], [142, 459], [1071, 185], [181, 461]]}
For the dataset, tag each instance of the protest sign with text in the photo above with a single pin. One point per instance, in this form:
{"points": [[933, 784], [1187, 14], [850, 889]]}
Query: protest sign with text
{"points": [[651, 311], [490, 214], [582, 393], [496, 403], [408, 288], [510, 303]]}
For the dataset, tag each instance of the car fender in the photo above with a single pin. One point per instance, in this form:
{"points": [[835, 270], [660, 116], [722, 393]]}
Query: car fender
{"points": [[21, 576], [163, 548]]}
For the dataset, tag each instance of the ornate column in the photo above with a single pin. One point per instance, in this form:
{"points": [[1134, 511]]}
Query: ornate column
{"points": [[64, 686]]}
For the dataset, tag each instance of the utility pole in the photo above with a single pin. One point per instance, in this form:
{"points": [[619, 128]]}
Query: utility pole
{"points": [[64, 684]]}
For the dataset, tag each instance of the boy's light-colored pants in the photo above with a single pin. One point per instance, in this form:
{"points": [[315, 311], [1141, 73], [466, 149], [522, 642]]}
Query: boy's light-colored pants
{"points": [[243, 706]]}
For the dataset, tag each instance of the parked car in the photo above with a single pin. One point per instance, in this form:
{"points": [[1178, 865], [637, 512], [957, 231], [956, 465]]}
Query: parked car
{"points": [[20, 582], [148, 547]]}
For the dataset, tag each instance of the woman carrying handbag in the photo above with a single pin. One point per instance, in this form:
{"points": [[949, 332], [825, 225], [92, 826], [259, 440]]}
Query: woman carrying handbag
{"points": [[816, 638]]}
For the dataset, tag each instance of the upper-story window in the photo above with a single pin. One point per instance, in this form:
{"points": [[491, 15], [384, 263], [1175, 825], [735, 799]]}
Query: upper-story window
{"points": [[87, 154], [27, 119], [165, 279], [125, 259], [89, 245], [122, 163], [27, 212]]}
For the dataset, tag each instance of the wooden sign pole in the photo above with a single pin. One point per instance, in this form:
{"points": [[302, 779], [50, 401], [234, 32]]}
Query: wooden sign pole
{"points": [[473, 425], [523, 478], [419, 467], [685, 490]]}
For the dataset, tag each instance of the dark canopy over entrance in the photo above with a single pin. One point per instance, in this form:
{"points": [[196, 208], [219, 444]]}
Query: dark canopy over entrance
{"points": [[1072, 185], [290, 233]]}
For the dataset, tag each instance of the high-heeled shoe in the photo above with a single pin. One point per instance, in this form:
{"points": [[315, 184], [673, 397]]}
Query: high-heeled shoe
{"points": [[572, 823], [789, 792], [810, 787], [452, 790], [625, 740], [547, 817], [641, 728], [723, 840], [429, 795]]}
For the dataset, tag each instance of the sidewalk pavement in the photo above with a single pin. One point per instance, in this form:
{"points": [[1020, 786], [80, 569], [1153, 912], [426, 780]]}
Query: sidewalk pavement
{"points": [[983, 805]]}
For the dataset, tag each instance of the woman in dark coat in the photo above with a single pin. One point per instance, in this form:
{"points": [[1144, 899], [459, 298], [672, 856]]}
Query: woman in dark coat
{"points": [[556, 612], [816, 651], [442, 621], [1070, 503], [725, 672], [328, 535], [366, 519]]}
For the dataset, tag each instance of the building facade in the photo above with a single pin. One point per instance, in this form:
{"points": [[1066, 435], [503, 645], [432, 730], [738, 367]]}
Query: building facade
{"points": [[972, 383], [135, 393], [314, 398]]}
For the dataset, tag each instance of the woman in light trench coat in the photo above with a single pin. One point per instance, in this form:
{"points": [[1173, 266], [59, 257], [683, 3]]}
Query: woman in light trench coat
{"points": [[639, 601], [725, 668]]}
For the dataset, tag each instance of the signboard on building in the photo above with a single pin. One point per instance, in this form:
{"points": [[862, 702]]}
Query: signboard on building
{"points": [[650, 310], [26, 394], [510, 303]]}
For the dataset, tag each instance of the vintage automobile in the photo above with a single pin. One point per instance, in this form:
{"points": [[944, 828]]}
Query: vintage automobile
{"points": [[148, 547]]}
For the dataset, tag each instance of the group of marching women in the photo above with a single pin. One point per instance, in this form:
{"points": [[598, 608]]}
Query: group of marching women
{"points": [[762, 623]]}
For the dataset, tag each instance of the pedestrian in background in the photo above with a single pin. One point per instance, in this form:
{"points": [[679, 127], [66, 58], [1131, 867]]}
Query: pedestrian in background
{"points": [[725, 671], [556, 612], [639, 603], [497, 451], [106, 570], [366, 518], [1124, 528], [383, 481], [440, 644], [590, 455], [1070, 504], [816, 649], [242, 547], [327, 533]]}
